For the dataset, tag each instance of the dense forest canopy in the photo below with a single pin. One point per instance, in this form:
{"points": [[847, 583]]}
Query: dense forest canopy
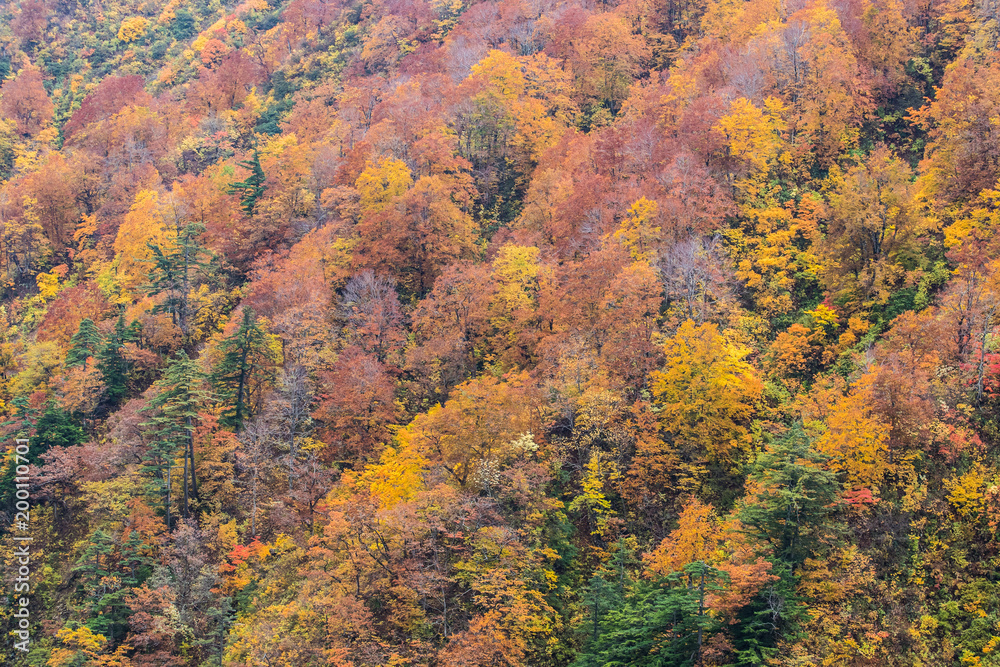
{"points": [[496, 333]]}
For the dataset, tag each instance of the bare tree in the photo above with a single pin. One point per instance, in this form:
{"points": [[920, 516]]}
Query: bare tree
{"points": [[255, 463], [693, 274]]}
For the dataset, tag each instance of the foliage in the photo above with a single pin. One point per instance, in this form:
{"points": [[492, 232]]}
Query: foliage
{"points": [[501, 333]]}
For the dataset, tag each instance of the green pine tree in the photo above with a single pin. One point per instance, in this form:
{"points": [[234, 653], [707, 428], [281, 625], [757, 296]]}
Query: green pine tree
{"points": [[246, 366], [174, 419], [23, 422], [797, 495], [55, 428], [661, 623], [86, 342], [252, 189], [174, 273], [112, 363]]}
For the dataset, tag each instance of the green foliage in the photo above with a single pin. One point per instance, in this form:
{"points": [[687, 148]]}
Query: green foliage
{"points": [[245, 367], [183, 25], [792, 497], [253, 188], [175, 273], [113, 364], [107, 571], [175, 415], [55, 428], [85, 343], [657, 623]]}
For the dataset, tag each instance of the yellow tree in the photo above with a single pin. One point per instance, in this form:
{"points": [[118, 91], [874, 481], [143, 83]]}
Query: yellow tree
{"points": [[873, 223], [144, 224], [379, 184], [856, 439], [478, 430], [753, 138], [518, 276], [706, 393], [638, 230], [701, 536]]}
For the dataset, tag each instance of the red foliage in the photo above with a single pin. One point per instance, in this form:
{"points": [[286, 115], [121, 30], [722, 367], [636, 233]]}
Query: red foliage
{"points": [[112, 94], [69, 308]]}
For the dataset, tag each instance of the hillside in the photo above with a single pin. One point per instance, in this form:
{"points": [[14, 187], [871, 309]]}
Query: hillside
{"points": [[458, 333]]}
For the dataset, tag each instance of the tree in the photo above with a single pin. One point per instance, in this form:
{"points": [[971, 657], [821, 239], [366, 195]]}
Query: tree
{"points": [[608, 58], [790, 497], [85, 343], [658, 623], [356, 403], [378, 185], [753, 137], [133, 29], [245, 368], [226, 86], [56, 428], [253, 188], [174, 273], [24, 100], [705, 394], [370, 305], [963, 152], [143, 228], [417, 233], [111, 360], [637, 232], [111, 95], [872, 225], [255, 461], [175, 417], [856, 438], [478, 430]]}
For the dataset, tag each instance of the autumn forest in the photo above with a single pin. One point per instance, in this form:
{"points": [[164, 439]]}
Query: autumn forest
{"points": [[499, 333]]}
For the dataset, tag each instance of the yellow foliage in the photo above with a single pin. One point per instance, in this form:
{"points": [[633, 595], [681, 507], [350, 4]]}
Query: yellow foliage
{"points": [[966, 492], [706, 393], [398, 475], [592, 498], [132, 29], [144, 223], [502, 75], [823, 316], [696, 538], [856, 438], [636, 232], [76, 644], [736, 21], [479, 430], [48, 285], [515, 271], [753, 135], [379, 184], [980, 222]]}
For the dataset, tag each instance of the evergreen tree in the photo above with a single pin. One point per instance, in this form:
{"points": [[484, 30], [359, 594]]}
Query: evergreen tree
{"points": [[661, 623], [103, 557], [112, 362], [251, 189], [175, 417], [86, 342], [24, 419], [174, 273], [246, 366], [796, 495], [774, 614], [55, 428]]}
